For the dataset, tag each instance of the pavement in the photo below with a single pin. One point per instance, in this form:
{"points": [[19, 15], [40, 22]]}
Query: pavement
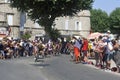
{"points": [[112, 62], [51, 68], [20, 69], [112, 65], [62, 68]]}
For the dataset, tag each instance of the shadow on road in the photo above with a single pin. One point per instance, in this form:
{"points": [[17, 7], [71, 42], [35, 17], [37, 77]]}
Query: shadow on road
{"points": [[38, 64]]}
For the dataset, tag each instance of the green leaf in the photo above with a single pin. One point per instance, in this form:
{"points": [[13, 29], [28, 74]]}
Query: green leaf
{"points": [[45, 11]]}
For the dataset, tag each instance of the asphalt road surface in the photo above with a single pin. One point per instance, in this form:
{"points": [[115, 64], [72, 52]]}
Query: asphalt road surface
{"points": [[52, 68]]}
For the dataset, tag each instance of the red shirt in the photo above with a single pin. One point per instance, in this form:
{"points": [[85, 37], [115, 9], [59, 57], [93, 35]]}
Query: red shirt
{"points": [[85, 45]]}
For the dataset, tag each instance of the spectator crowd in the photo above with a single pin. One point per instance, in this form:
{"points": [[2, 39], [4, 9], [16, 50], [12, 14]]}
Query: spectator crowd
{"points": [[103, 49]]}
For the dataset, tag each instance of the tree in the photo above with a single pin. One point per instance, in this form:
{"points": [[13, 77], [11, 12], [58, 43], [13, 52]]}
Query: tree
{"points": [[54, 34], [99, 20], [45, 11], [115, 21], [26, 35]]}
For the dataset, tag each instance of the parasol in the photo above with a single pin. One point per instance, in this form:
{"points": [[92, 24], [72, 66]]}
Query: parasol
{"points": [[94, 35]]}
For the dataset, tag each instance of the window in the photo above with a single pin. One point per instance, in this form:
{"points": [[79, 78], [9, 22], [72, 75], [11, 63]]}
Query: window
{"points": [[66, 24], [22, 20], [10, 19], [78, 25]]}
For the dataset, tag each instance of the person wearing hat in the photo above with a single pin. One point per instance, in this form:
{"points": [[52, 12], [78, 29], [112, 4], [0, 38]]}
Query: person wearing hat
{"points": [[108, 31], [110, 36], [77, 47]]}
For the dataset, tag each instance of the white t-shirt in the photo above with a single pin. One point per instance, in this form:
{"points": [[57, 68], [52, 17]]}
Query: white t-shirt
{"points": [[110, 46], [21, 43]]}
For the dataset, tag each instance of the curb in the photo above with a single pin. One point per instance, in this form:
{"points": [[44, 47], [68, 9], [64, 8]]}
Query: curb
{"points": [[111, 72]]}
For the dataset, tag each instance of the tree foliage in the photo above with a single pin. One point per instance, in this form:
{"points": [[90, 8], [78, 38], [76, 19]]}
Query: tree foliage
{"points": [[45, 11], [99, 20], [55, 33], [26, 35], [115, 20]]}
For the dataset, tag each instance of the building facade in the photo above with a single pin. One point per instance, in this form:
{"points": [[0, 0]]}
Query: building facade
{"points": [[76, 25], [9, 17], [68, 26]]}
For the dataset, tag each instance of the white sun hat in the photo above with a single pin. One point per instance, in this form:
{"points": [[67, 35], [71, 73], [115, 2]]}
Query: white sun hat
{"points": [[108, 31]]}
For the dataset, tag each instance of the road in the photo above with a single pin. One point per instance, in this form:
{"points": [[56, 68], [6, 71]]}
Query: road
{"points": [[19, 69], [53, 68]]}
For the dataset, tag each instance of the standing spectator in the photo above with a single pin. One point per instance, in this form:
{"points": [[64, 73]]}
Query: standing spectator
{"points": [[21, 51], [64, 42], [116, 55], [2, 54], [77, 47], [30, 48], [35, 49], [109, 54], [99, 49], [16, 50], [85, 50], [50, 47], [90, 50], [27, 50]]}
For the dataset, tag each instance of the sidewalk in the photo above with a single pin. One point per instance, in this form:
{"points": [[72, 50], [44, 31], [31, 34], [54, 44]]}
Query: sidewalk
{"points": [[112, 62], [112, 65]]}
